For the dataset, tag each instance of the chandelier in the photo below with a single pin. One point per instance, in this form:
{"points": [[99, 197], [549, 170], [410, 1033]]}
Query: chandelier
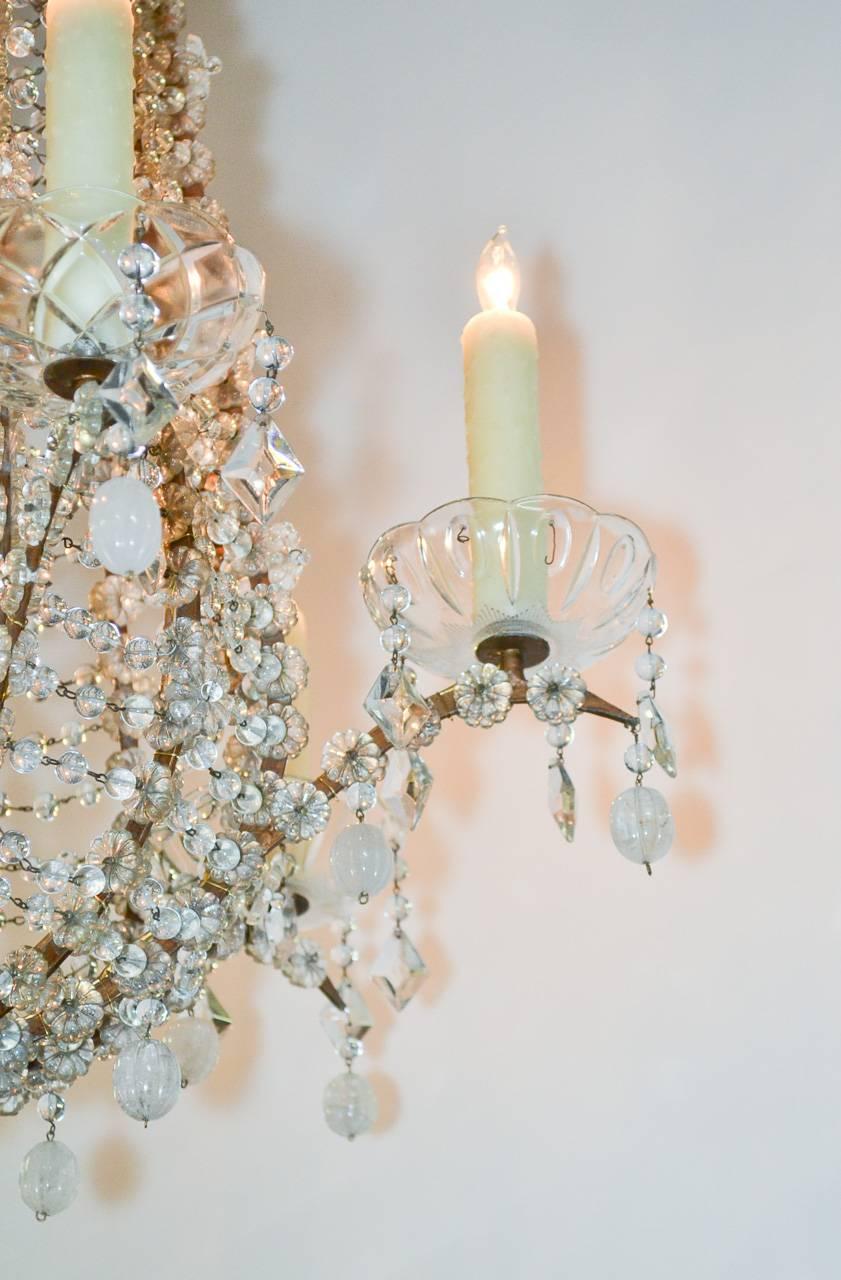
{"points": [[158, 812]]}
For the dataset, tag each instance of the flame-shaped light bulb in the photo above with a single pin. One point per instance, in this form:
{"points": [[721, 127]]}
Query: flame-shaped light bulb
{"points": [[498, 274]]}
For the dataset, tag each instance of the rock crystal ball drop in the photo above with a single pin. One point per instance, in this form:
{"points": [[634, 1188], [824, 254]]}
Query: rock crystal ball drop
{"points": [[361, 860], [350, 1105], [195, 1043], [641, 825], [49, 1178], [125, 525], [147, 1080]]}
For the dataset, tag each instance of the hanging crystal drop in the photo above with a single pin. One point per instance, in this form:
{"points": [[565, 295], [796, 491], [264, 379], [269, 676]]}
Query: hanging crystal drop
{"points": [[395, 704], [405, 789], [352, 1021], [562, 799], [136, 396], [263, 470], [399, 970], [655, 734]]}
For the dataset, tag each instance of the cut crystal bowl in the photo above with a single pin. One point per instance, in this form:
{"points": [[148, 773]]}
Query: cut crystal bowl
{"points": [[546, 575], [61, 288]]}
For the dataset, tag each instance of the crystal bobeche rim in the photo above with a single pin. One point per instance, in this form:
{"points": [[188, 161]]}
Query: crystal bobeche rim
{"points": [[546, 566]]}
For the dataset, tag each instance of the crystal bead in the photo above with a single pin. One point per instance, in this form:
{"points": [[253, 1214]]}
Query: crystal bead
{"points": [[125, 525], [10, 1034], [641, 824], [5, 890], [225, 854], [150, 1012], [251, 730], [137, 711], [652, 623], [120, 784], [165, 924], [104, 636], [49, 1179], [395, 598], [51, 1107], [77, 623], [14, 847], [89, 880], [138, 261], [20, 41], [399, 970], [266, 395], [656, 735], [650, 665], [139, 312], [131, 962], [23, 92], [26, 755], [360, 797], [90, 701], [560, 735], [140, 653], [72, 767], [273, 353], [147, 1080], [45, 806], [195, 1043], [361, 860], [638, 758], [53, 876], [350, 1105], [396, 639], [262, 471], [562, 800], [395, 704]]}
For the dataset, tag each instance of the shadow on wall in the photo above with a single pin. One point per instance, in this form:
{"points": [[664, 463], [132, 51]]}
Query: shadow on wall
{"points": [[563, 420]]}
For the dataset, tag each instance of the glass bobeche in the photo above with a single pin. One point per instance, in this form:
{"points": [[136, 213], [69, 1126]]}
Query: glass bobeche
{"points": [[61, 288], [546, 568]]}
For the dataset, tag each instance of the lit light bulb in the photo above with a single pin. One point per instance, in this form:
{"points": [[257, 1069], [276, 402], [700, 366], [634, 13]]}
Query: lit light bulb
{"points": [[498, 274]]}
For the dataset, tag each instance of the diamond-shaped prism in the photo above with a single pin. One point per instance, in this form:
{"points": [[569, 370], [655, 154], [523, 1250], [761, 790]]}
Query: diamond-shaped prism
{"points": [[263, 470], [135, 395], [405, 789], [395, 704], [352, 1022], [399, 970], [562, 800]]}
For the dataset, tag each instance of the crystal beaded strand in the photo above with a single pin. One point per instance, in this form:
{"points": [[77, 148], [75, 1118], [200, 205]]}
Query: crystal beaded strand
{"points": [[21, 111], [555, 694], [640, 822], [350, 1104]]}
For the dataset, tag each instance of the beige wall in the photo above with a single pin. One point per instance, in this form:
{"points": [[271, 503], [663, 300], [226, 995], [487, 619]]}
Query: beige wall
{"points": [[605, 1076]]}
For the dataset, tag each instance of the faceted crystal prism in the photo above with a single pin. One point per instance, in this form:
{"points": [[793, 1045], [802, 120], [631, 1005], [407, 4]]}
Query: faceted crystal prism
{"points": [[353, 1021], [396, 706], [562, 800], [135, 394], [399, 971], [405, 789], [655, 734], [263, 470]]}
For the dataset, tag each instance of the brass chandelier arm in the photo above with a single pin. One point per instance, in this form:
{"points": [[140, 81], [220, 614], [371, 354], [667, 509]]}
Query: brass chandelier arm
{"points": [[444, 703]]}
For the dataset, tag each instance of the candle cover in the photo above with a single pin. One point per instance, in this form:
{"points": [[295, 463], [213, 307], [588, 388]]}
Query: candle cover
{"points": [[89, 95], [503, 438], [500, 383]]}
